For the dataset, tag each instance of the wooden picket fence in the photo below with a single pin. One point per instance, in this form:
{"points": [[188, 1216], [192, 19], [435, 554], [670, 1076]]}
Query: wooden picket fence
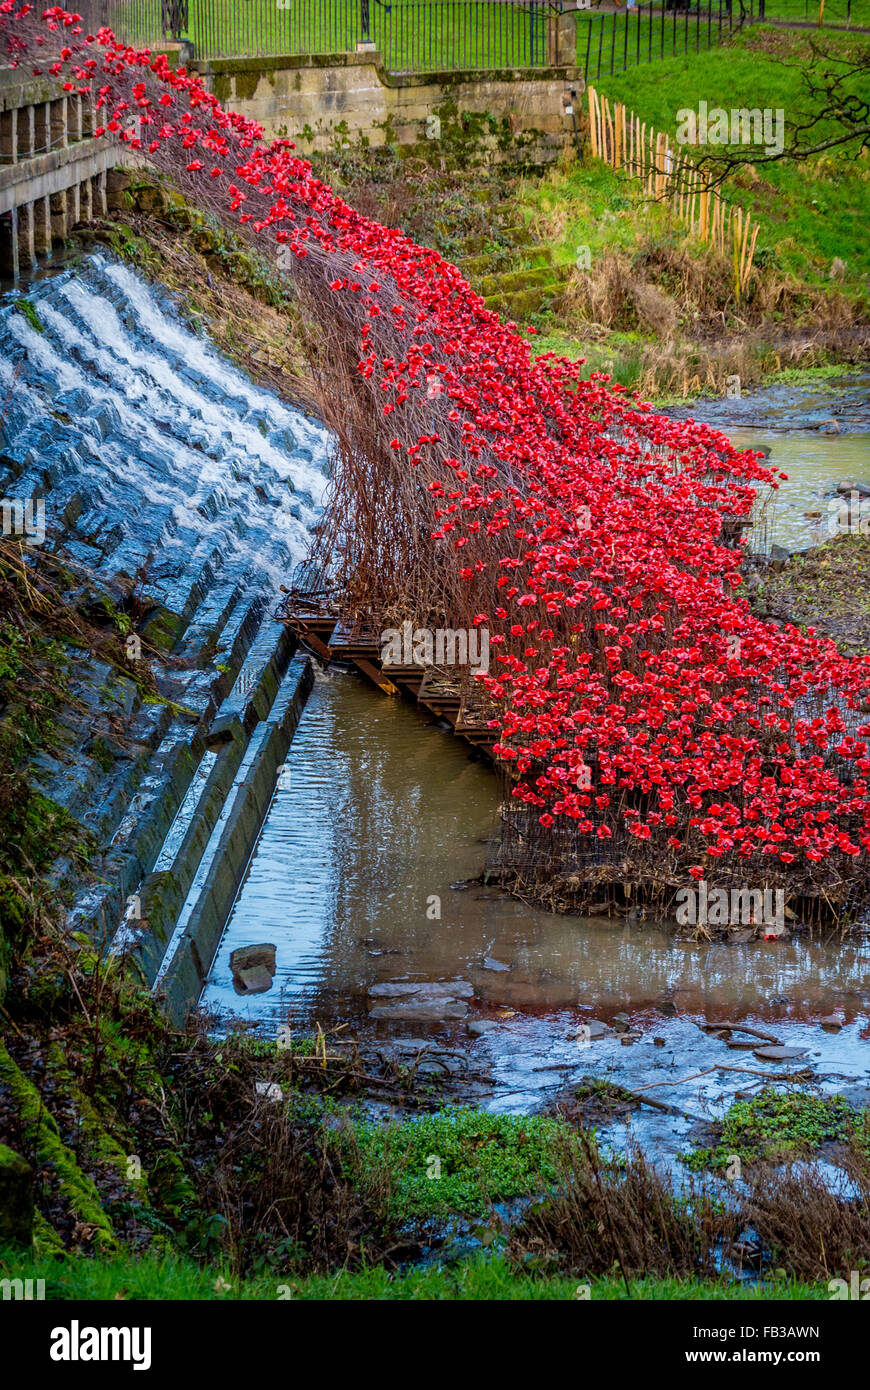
{"points": [[667, 173]]}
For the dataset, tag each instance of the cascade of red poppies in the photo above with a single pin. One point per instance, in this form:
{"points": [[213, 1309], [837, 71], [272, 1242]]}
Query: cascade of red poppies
{"points": [[648, 721]]}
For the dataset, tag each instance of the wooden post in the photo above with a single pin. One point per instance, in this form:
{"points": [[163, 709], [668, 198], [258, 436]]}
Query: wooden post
{"points": [[750, 256]]}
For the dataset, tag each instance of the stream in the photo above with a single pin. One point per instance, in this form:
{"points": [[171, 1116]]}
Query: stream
{"points": [[792, 423], [379, 812], [155, 445], [385, 813]]}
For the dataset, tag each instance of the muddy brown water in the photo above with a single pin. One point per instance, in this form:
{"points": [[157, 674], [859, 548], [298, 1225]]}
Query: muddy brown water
{"points": [[381, 812]]}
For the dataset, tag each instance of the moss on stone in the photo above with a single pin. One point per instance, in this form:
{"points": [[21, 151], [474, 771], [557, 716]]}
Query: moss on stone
{"points": [[246, 85], [99, 1144], [41, 1133], [16, 1198], [162, 629]]}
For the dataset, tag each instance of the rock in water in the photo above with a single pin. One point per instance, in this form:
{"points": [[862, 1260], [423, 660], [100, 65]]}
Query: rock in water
{"points": [[421, 1009], [253, 968], [592, 1031], [430, 1001], [479, 1026], [245, 957], [254, 981], [779, 1054], [449, 989]]}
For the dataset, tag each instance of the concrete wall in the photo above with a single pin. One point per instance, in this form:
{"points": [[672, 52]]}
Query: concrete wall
{"points": [[53, 172], [315, 100]]}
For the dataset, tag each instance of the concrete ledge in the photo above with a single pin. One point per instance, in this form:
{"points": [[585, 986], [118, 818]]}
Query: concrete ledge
{"points": [[232, 843], [443, 77], [162, 893], [100, 907]]}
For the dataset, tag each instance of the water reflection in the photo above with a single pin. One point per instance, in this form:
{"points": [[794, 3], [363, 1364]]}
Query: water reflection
{"points": [[791, 422], [382, 812]]}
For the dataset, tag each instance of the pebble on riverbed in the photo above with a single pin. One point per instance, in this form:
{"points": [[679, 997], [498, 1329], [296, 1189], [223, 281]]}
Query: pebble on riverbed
{"points": [[779, 1054], [593, 1031], [479, 1026]]}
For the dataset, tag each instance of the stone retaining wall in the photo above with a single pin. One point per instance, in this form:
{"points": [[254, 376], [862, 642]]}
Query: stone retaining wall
{"points": [[348, 97]]}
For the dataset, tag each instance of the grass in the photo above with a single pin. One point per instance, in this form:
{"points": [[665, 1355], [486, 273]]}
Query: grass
{"points": [[809, 212], [654, 307], [460, 1160], [854, 12], [776, 1127], [479, 1278], [655, 37]]}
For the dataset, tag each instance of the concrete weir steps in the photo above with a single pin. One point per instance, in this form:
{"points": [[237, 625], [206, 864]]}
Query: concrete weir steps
{"points": [[177, 496], [169, 828], [236, 738], [225, 857]]}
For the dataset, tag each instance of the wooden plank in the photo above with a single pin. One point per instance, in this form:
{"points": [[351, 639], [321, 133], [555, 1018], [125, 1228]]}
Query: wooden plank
{"points": [[375, 675]]}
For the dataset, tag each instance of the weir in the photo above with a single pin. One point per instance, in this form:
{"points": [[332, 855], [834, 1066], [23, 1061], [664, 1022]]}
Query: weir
{"points": [[177, 495]]}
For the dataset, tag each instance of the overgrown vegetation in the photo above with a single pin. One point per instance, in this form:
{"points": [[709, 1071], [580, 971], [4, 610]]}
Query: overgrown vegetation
{"points": [[148, 1142], [827, 587], [460, 1160], [778, 1126], [656, 308]]}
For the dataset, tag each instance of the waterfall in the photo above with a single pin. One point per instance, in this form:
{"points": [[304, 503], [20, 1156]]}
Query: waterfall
{"points": [[155, 456], [180, 492]]}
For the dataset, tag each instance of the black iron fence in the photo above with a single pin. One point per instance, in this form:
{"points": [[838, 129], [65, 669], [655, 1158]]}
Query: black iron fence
{"points": [[433, 35], [609, 43], [409, 35], [613, 42]]}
